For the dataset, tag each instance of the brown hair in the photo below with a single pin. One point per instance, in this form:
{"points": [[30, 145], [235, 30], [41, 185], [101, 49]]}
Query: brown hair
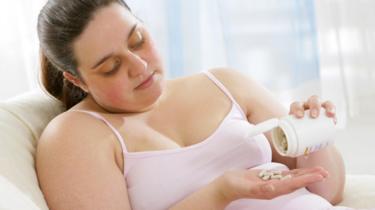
{"points": [[60, 22]]}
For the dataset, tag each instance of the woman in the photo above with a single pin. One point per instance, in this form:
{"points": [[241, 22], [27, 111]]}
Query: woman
{"points": [[131, 140]]}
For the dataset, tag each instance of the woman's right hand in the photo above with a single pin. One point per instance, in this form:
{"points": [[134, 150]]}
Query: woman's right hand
{"points": [[237, 184]]}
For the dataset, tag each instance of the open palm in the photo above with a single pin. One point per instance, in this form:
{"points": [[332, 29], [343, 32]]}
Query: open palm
{"points": [[247, 183]]}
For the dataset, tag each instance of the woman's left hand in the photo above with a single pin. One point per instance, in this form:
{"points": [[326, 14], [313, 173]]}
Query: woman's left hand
{"points": [[313, 104]]}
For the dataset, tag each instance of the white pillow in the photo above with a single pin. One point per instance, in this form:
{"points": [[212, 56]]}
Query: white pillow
{"points": [[359, 192], [22, 119], [13, 198]]}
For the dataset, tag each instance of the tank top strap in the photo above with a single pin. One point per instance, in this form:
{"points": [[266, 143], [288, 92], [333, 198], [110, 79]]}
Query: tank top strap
{"points": [[114, 130], [221, 86]]}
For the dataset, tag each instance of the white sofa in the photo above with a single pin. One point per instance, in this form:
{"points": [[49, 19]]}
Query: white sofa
{"points": [[22, 120]]}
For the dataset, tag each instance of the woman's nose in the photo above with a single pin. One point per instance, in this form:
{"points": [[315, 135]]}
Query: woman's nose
{"points": [[137, 65]]}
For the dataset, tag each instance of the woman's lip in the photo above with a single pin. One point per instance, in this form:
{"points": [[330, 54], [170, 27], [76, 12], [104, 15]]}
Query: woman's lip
{"points": [[147, 83]]}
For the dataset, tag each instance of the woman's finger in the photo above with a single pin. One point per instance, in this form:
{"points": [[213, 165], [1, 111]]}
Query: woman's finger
{"points": [[294, 183], [296, 109], [302, 171], [274, 188], [330, 108], [313, 103]]}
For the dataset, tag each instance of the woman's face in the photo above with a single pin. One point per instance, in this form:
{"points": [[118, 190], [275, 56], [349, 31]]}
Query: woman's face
{"points": [[117, 60]]}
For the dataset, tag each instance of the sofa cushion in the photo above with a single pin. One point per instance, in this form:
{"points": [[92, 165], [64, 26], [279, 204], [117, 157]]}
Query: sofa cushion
{"points": [[22, 119]]}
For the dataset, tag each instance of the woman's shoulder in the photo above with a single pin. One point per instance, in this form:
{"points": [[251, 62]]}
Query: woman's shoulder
{"points": [[231, 78], [239, 85], [74, 156], [72, 129], [71, 121]]}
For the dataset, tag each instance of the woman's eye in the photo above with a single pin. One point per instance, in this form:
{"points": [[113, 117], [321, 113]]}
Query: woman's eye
{"points": [[138, 41], [115, 66]]}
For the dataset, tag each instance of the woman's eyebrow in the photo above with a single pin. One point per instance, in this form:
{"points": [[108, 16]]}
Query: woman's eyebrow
{"points": [[110, 54]]}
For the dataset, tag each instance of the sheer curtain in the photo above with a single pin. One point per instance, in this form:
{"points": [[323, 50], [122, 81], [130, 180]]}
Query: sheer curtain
{"points": [[347, 49], [19, 46], [275, 42]]}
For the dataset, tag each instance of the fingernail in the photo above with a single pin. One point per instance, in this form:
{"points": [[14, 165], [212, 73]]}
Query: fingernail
{"points": [[314, 113], [324, 173]]}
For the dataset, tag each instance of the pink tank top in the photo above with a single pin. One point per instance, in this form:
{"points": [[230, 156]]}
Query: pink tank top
{"points": [[157, 180]]}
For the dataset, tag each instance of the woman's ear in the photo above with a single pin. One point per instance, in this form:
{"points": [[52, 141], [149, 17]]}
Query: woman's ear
{"points": [[75, 81]]}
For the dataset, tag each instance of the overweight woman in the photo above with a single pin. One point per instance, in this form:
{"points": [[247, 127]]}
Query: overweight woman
{"points": [[130, 139]]}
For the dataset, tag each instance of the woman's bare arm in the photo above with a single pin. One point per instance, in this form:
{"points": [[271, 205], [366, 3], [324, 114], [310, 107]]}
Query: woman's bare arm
{"points": [[259, 105], [76, 166]]}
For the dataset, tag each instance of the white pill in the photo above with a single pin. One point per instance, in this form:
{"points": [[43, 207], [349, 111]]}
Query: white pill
{"points": [[277, 172], [266, 177], [262, 173]]}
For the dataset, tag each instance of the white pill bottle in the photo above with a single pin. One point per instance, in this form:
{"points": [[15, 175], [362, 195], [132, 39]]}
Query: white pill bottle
{"points": [[295, 137]]}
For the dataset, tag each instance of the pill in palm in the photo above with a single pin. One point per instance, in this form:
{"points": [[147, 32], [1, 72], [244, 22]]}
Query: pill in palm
{"points": [[269, 175]]}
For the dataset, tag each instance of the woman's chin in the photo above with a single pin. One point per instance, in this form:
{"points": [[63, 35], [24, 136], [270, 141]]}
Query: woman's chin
{"points": [[146, 101]]}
